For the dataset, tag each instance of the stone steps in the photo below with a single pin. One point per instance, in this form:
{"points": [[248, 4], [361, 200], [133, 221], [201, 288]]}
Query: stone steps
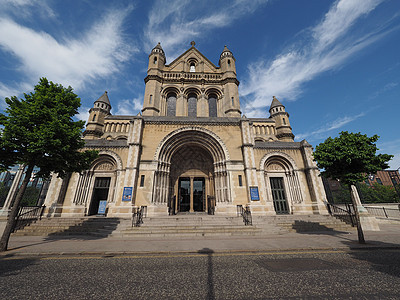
{"points": [[184, 226], [70, 226]]}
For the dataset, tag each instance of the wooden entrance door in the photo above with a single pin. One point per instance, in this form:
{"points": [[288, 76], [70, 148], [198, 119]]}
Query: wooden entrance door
{"points": [[279, 196]]}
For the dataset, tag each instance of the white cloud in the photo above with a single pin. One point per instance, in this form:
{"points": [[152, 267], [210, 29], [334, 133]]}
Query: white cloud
{"points": [[174, 22], [27, 8], [98, 53], [83, 113], [391, 147], [339, 122], [328, 48], [129, 107]]}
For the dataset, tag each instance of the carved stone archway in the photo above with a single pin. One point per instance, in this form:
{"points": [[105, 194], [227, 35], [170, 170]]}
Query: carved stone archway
{"points": [[182, 142]]}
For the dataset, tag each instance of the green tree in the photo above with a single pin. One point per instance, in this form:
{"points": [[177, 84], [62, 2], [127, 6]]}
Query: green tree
{"points": [[377, 193], [349, 158], [40, 131]]}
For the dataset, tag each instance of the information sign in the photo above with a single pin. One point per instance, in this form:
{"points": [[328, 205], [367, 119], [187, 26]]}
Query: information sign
{"points": [[102, 207], [254, 196], [127, 195]]}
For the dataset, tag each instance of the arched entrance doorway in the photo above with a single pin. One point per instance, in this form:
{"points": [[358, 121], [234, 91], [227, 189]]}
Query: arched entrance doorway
{"points": [[191, 167], [282, 182], [98, 183], [191, 178]]}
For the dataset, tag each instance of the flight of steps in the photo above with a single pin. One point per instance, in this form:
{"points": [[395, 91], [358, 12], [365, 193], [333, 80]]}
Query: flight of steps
{"points": [[310, 223], [187, 225], [91, 226], [183, 225]]}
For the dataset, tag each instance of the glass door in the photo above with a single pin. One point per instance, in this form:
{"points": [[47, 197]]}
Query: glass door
{"points": [[184, 194]]}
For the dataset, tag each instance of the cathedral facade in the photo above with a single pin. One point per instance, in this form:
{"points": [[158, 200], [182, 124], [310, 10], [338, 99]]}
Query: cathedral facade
{"points": [[190, 150]]}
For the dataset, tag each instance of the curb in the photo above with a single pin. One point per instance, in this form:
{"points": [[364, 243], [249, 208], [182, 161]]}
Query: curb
{"points": [[105, 254]]}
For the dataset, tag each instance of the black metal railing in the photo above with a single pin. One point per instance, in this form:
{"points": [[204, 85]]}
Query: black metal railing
{"points": [[138, 214], [245, 213], [346, 214], [27, 215], [384, 212]]}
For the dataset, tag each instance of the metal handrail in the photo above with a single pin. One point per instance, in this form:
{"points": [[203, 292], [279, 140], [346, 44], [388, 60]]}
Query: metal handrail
{"points": [[383, 212], [26, 215], [245, 213], [347, 215], [138, 214]]}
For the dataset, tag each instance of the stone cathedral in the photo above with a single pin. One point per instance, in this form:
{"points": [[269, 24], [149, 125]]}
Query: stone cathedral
{"points": [[190, 148]]}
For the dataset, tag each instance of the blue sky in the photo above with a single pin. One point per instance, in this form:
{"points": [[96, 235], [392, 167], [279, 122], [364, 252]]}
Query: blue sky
{"points": [[335, 65]]}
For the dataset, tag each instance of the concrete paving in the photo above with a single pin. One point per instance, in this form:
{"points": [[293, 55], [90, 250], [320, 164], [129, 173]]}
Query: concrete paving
{"points": [[388, 237]]}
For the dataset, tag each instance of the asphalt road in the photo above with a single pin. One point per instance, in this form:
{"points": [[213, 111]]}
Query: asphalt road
{"points": [[366, 274]]}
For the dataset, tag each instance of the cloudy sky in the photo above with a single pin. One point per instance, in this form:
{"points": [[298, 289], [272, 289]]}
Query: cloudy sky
{"points": [[335, 65]]}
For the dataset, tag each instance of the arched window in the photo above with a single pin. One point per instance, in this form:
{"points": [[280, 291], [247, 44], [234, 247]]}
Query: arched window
{"points": [[192, 105], [94, 118], [171, 104], [192, 67], [233, 101], [212, 105], [229, 62], [155, 60], [284, 122], [151, 99]]}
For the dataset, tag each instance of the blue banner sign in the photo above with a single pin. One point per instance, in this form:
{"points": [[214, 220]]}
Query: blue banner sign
{"points": [[102, 207], [254, 196], [127, 195]]}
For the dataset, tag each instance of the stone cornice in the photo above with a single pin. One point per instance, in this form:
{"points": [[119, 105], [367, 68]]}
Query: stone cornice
{"points": [[285, 134], [103, 144], [277, 145], [218, 121], [280, 113], [94, 132], [200, 80]]}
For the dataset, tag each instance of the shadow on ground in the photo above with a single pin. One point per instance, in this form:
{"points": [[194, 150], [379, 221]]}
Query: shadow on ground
{"points": [[11, 266], [315, 228], [382, 257], [88, 229], [210, 274]]}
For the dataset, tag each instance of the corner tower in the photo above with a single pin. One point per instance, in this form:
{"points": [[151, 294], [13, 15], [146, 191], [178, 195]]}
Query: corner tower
{"points": [[281, 117], [95, 125], [153, 80], [231, 103]]}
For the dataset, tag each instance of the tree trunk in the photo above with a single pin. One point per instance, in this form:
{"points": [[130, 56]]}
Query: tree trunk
{"points": [[360, 232], [14, 210]]}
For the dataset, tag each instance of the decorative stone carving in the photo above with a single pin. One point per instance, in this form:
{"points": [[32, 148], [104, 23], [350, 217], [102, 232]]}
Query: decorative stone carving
{"points": [[105, 167], [274, 167]]}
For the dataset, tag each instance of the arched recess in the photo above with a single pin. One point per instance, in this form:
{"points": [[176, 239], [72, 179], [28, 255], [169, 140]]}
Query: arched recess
{"points": [[281, 172], [192, 95], [170, 96], [209, 156], [98, 183], [212, 96]]}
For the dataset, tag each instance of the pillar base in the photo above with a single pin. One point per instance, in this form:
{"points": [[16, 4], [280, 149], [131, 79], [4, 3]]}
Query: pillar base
{"points": [[368, 222]]}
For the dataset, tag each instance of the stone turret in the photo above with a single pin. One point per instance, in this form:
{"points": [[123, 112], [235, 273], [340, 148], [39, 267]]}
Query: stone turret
{"points": [[95, 125], [281, 117], [231, 100], [151, 101]]}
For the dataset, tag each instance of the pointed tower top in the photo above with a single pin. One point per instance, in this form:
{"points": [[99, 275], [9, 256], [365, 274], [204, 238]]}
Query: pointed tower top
{"points": [[226, 53], [158, 49], [275, 102], [104, 99]]}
